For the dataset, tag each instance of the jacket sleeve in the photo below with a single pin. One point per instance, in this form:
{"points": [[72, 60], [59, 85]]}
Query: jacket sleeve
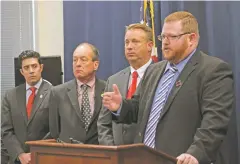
{"points": [[104, 124], [10, 141], [54, 121]]}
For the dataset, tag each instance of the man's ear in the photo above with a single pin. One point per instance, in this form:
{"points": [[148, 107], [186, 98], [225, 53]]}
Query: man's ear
{"points": [[149, 46], [41, 67], [192, 38], [21, 71], [96, 65]]}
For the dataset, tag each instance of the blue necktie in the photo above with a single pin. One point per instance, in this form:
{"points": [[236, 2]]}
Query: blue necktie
{"points": [[158, 104]]}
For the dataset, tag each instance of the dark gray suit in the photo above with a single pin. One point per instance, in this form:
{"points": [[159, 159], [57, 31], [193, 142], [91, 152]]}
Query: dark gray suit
{"points": [[65, 117], [16, 127], [195, 117], [109, 132]]}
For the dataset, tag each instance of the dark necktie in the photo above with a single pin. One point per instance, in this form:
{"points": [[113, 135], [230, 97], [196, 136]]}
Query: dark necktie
{"points": [[85, 107]]}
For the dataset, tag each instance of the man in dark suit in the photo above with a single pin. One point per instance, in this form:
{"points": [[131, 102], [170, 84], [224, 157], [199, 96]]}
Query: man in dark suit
{"points": [[25, 109], [184, 103], [75, 105], [138, 48]]}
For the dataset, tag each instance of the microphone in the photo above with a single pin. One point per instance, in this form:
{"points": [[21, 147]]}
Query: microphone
{"points": [[60, 141], [73, 141]]}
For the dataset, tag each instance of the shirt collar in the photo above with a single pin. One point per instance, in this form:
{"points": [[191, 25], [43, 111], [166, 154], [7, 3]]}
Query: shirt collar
{"points": [[182, 63], [142, 69], [36, 85], [90, 83]]}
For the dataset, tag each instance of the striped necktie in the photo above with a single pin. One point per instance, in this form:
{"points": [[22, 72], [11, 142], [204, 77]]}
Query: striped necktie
{"points": [[158, 104]]}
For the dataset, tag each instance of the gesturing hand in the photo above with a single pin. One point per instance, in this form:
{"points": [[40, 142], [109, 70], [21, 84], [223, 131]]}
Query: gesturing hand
{"points": [[112, 100]]}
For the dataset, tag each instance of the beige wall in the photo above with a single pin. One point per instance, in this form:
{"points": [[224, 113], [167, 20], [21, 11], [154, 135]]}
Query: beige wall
{"points": [[49, 28]]}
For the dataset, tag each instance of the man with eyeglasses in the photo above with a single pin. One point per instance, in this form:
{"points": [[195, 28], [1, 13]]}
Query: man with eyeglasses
{"points": [[184, 103]]}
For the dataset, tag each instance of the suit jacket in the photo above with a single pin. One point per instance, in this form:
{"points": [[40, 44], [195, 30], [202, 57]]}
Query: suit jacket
{"points": [[16, 127], [110, 132], [65, 118], [196, 114], [228, 153], [4, 154]]}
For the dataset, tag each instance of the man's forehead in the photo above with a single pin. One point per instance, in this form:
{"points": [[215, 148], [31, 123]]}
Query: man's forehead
{"points": [[174, 26], [130, 35], [83, 50], [83, 55], [30, 61]]}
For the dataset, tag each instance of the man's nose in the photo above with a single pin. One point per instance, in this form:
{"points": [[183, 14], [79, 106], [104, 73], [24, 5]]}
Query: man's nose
{"points": [[129, 45], [31, 69], [79, 63], [165, 41]]}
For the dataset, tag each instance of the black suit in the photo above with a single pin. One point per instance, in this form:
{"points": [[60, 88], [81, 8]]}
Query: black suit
{"points": [[16, 127], [65, 117], [196, 114]]}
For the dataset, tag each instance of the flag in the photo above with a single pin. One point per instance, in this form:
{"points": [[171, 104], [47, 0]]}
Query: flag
{"points": [[147, 17]]}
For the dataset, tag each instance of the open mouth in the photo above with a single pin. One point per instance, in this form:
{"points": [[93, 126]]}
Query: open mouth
{"points": [[166, 49]]}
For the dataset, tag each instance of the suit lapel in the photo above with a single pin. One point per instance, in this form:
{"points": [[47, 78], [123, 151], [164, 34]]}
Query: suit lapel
{"points": [[73, 96], [123, 85], [21, 101], [39, 99], [99, 89], [188, 69]]}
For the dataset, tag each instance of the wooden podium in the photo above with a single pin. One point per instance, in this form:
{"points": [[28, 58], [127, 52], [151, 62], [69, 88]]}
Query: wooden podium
{"points": [[51, 152]]}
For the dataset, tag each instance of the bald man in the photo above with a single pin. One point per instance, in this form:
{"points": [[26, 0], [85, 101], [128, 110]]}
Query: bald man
{"points": [[75, 105]]}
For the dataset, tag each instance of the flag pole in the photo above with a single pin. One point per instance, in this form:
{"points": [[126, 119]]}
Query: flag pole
{"points": [[155, 59]]}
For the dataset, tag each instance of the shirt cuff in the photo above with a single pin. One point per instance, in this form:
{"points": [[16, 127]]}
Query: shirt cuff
{"points": [[117, 113]]}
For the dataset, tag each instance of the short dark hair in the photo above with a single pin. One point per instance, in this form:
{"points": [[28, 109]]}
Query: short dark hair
{"points": [[29, 54]]}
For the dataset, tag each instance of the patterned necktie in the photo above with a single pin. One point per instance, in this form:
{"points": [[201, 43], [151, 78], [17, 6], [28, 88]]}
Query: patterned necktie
{"points": [[133, 86], [85, 107], [30, 101], [158, 104]]}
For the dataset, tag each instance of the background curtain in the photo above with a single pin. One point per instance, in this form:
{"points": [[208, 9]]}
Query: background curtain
{"points": [[101, 23]]}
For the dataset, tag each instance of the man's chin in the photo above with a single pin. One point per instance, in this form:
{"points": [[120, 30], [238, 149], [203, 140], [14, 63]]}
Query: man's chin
{"points": [[33, 82], [79, 75], [167, 56], [132, 59]]}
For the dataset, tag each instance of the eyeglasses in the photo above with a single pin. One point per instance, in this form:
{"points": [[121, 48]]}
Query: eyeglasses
{"points": [[171, 37]]}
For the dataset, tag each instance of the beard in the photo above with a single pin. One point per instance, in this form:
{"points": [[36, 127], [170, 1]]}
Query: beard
{"points": [[174, 55]]}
